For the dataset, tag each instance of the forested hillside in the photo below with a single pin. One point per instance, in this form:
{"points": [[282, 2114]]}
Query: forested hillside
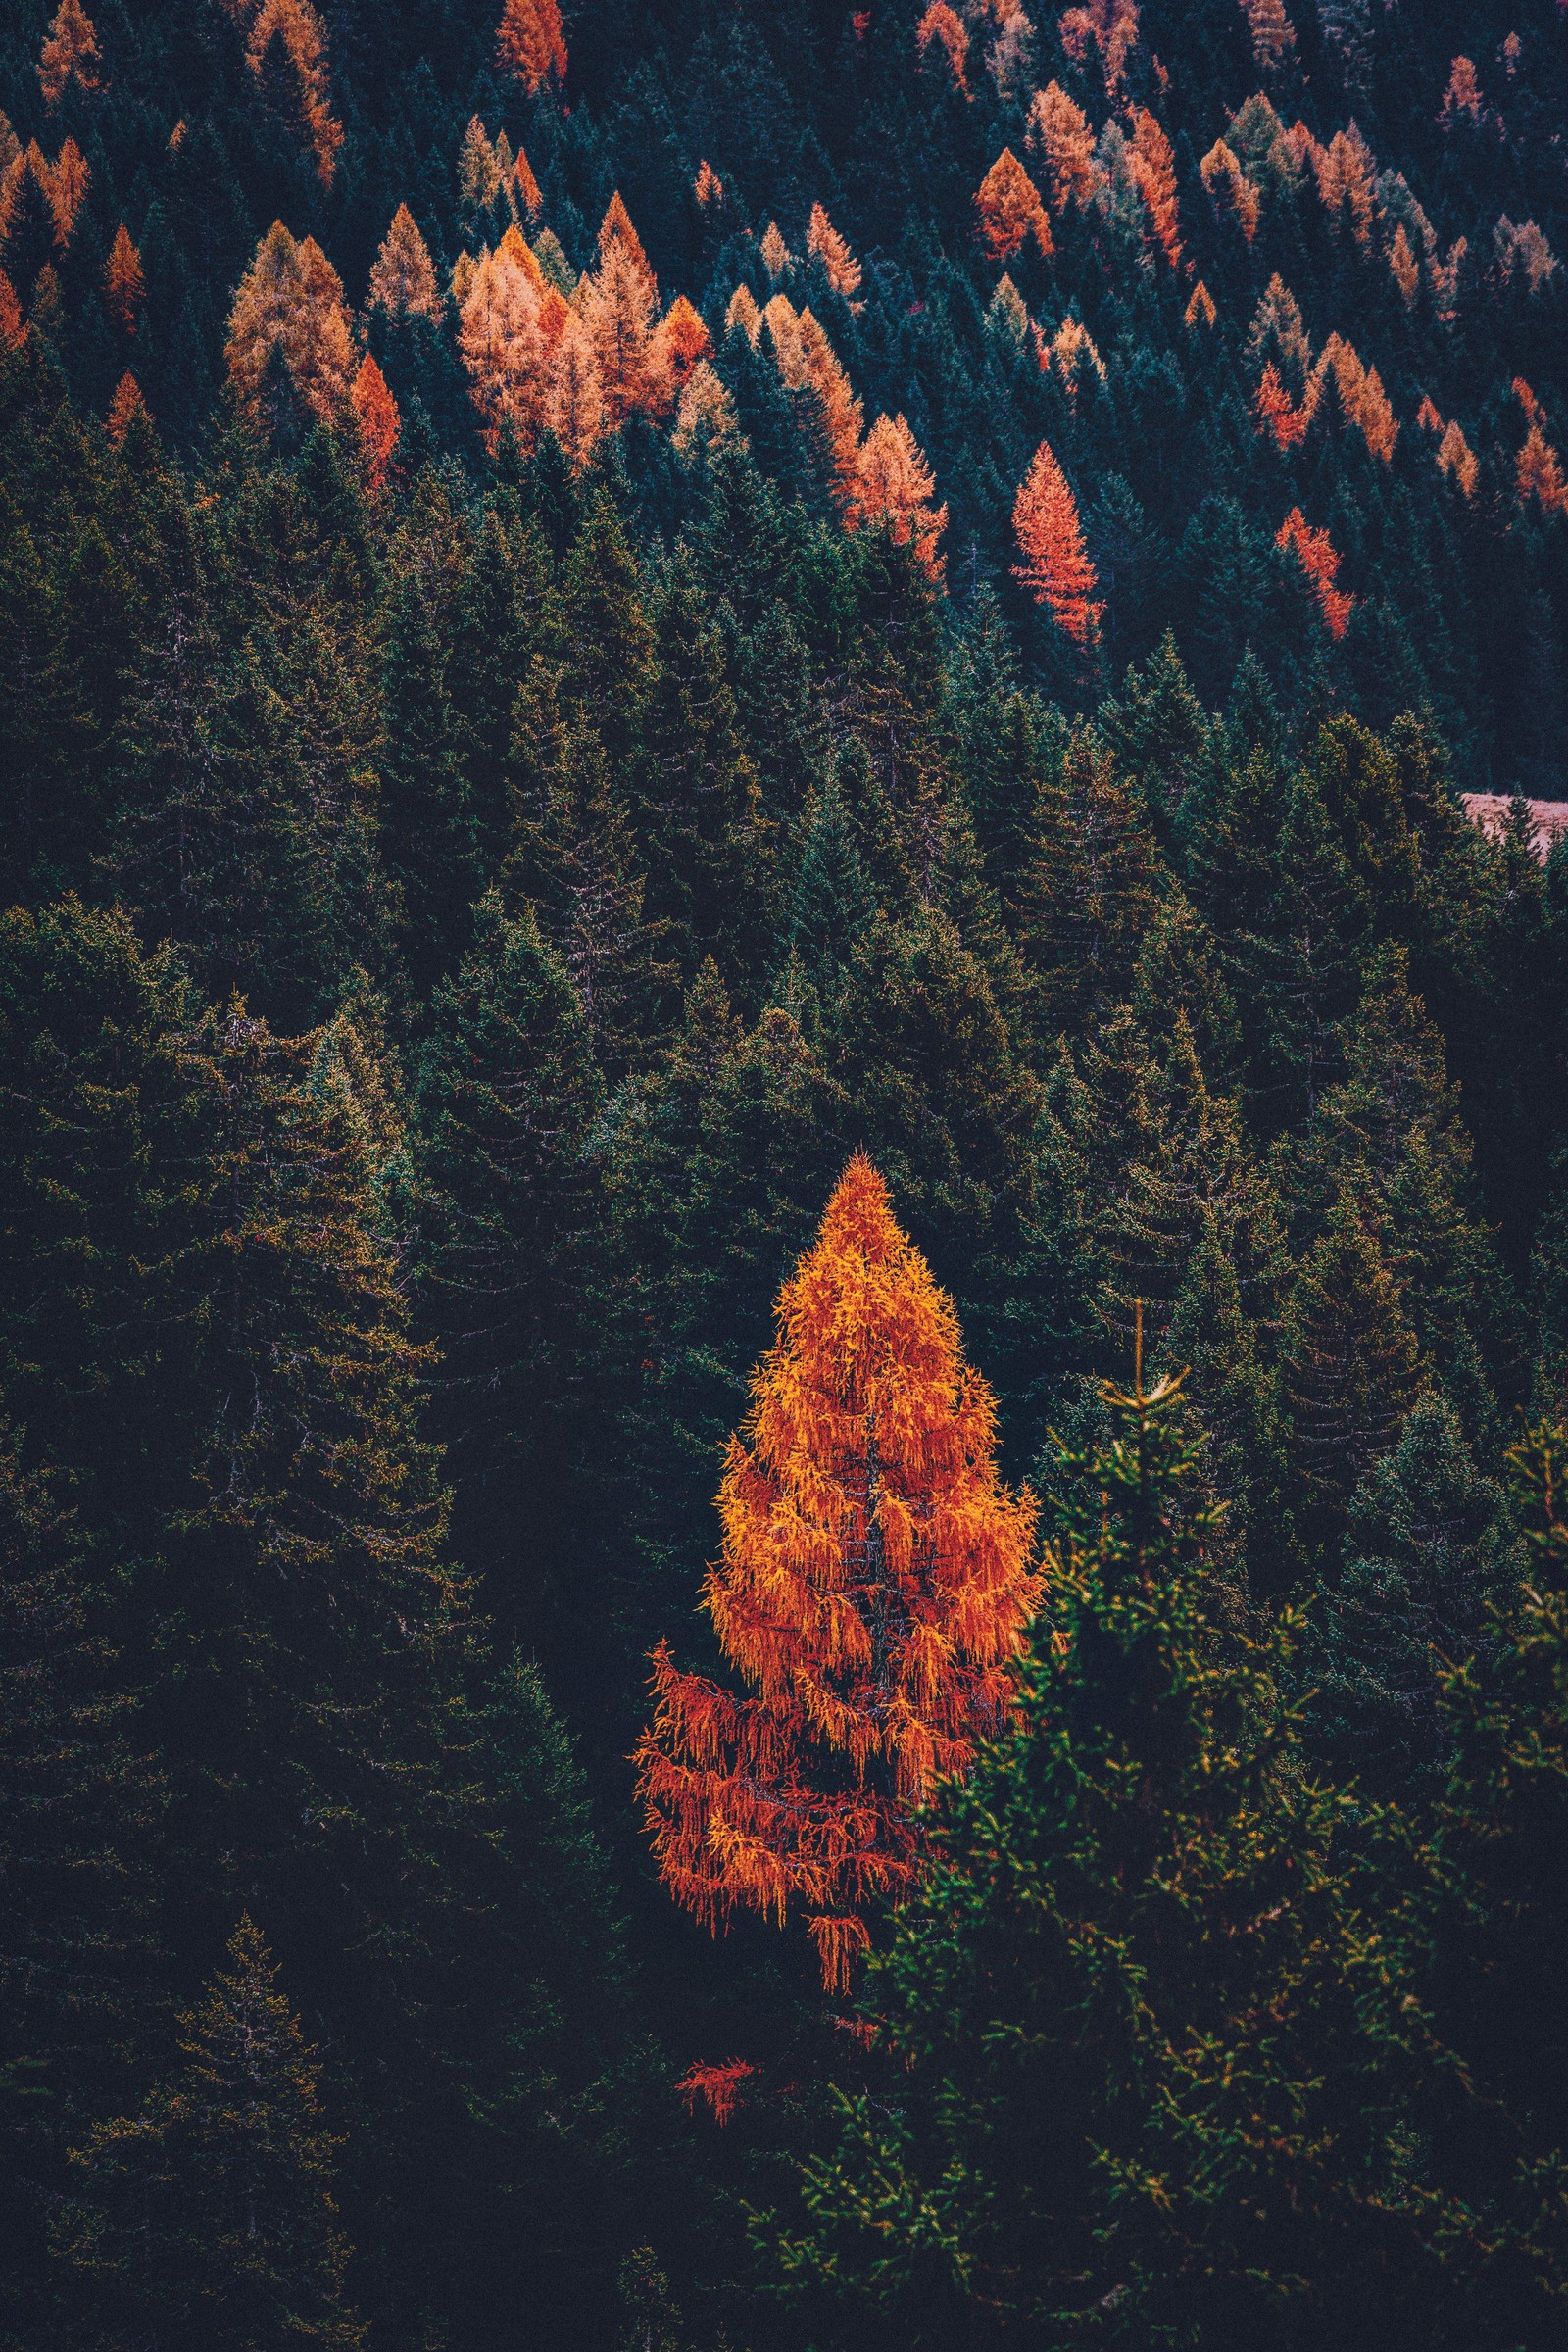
{"points": [[783, 1198]]}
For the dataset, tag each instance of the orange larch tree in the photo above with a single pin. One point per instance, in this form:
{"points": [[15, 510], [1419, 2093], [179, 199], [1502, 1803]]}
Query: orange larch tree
{"points": [[1539, 473], [944, 26], [375, 412], [874, 1588], [1055, 566], [290, 301], [1457, 461], [1010, 211], [126, 405], [1273, 34], [123, 286], [1230, 188], [501, 343], [287, 54], [895, 489], [530, 44], [402, 274], [1314, 551], [1058, 137], [1154, 169], [1462, 100], [678, 344], [1111, 26], [839, 265], [69, 52], [617, 306], [13, 325], [576, 405]]}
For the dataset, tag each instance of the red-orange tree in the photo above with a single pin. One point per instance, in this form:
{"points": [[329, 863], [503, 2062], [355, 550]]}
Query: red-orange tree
{"points": [[873, 1590]]}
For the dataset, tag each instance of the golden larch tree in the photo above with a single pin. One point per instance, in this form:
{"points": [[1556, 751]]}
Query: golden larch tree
{"points": [[69, 52], [1059, 139], [777, 259], [1314, 551], [707, 188], [705, 413], [894, 490], [1230, 188], [13, 325], [1272, 34], [1055, 566], [525, 186], [679, 342], [126, 405], [1154, 169], [1010, 211], [290, 302], [616, 234], [616, 307], [576, 403], [287, 54], [1110, 25], [1539, 473], [501, 343], [530, 44], [943, 27], [839, 265], [1461, 100], [1457, 462], [402, 275], [873, 1590], [375, 412], [123, 286]]}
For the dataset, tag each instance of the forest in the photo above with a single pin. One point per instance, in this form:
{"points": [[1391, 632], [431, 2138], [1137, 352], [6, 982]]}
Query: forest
{"points": [[783, 1176]]}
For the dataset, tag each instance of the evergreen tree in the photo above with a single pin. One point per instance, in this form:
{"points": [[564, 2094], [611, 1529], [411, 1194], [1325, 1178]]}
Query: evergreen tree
{"points": [[209, 2217], [1132, 2084]]}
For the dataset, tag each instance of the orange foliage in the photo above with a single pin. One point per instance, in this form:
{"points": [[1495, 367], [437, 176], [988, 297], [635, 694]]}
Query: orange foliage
{"points": [[1231, 189], [1200, 310], [941, 25], [124, 286], [808, 362], [1010, 211], [1404, 267], [526, 186], [1276, 412], [64, 183], [894, 487], [402, 274], [873, 1590], [1427, 417], [127, 404], [776, 255], [1113, 27], [1058, 133], [1345, 172], [616, 230], [1314, 552], [1361, 396], [576, 411], [1526, 399], [719, 2085], [1521, 246], [530, 44], [13, 325], [708, 187], [839, 265], [289, 41], [1458, 461], [616, 307], [1461, 100], [1540, 474], [680, 341], [705, 411], [1273, 33], [744, 313], [290, 301], [69, 52], [1056, 565], [375, 412], [502, 345], [1154, 169]]}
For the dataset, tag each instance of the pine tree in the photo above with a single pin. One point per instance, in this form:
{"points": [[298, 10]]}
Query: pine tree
{"points": [[1130, 2086], [287, 52], [1424, 1560], [1056, 568], [871, 1441], [210, 2215], [1353, 1365], [428, 834]]}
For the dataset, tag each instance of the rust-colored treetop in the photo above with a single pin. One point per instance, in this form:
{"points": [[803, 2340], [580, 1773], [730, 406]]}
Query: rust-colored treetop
{"points": [[1056, 568], [874, 1588], [69, 52], [1010, 210], [530, 44]]}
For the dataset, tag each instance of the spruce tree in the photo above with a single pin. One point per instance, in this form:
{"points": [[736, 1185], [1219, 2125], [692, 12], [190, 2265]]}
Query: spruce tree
{"points": [[1140, 2073]]}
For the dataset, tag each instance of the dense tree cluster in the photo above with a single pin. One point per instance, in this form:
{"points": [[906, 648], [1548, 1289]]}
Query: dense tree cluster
{"points": [[733, 758]]}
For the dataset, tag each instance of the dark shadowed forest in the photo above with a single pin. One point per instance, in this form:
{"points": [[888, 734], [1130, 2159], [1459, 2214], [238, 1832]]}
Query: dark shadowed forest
{"points": [[783, 1192]]}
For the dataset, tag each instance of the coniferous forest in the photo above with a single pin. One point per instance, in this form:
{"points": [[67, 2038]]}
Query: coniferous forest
{"points": [[783, 1176]]}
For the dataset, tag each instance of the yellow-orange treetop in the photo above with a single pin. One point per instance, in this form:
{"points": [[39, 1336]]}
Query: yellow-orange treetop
{"points": [[873, 1590]]}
